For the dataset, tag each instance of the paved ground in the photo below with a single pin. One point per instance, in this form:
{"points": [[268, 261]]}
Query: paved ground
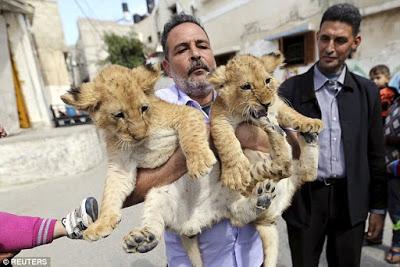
{"points": [[53, 198]]}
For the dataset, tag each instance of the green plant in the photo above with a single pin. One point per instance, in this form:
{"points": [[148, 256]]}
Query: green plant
{"points": [[123, 50]]}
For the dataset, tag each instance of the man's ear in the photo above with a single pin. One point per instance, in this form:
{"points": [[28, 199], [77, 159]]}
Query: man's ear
{"points": [[356, 43], [218, 78], [165, 65], [86, 97]]}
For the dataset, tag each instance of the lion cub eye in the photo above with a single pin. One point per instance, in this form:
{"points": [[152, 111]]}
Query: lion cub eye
{"points": [[119, 115], [246, 86], [144, 108], [267, 81]]}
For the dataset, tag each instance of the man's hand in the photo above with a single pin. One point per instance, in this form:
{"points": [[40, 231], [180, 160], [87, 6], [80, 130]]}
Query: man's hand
{"points": [[375, 225], [252, 137]]}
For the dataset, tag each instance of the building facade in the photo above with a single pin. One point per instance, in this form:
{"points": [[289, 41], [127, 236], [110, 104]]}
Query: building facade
{"points": [[90, 48], [22, 99], [259, 27], [51, 49]]}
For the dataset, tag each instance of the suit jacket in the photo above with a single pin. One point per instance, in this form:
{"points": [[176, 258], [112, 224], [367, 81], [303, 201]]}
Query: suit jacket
{"points": [[362, 134]]}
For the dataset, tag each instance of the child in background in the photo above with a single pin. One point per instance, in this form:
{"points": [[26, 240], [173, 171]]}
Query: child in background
{"points": [[24, 232], [392, 151], [380, 74]]}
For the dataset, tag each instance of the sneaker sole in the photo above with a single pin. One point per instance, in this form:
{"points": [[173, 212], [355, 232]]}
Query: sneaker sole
{"points": [[89, 210]]}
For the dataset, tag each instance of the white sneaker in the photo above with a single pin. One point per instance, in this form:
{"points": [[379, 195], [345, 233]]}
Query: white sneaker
{"points": [[79, 219]]}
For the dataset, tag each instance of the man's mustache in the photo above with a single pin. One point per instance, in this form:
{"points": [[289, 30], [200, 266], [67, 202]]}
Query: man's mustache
{"points": [[198, 64]]}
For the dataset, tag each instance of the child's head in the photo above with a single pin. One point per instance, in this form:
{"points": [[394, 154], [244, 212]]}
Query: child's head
{"points": [[380, 74]]}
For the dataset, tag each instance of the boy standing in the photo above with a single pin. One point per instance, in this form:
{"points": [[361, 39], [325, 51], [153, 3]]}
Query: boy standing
{"points": [[380, 75]]}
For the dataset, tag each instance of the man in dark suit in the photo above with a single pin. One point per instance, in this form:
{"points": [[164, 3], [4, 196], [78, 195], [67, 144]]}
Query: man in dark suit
{"points": [[350, 180]]}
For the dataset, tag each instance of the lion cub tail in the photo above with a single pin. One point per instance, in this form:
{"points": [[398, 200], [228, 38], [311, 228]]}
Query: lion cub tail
{"points": [[191, 245]]}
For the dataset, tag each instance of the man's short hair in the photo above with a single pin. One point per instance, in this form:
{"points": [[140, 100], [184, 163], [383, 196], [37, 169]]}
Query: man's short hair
{"points": [[346, 13], [175, 21], [379, 69]]}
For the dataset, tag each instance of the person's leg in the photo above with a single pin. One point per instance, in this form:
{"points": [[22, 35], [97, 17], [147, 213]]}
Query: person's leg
{"points": [[393, 255], [344, 246], [344, 240], [306, 244]]}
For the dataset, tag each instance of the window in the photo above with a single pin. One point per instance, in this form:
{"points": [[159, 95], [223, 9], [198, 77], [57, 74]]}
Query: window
{"points": [[298, 49], [222, 59]]}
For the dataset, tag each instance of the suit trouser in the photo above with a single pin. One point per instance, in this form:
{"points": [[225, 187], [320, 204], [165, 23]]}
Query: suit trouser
{"points": [[329, 219]]}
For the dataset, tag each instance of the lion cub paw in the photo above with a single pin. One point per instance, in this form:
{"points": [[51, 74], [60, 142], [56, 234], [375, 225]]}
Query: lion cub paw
{"points": [[102, 227], [264, 192], [139, 240], [310, 126], [281, 170], [200, 163], [237, 177], [310, 138]]}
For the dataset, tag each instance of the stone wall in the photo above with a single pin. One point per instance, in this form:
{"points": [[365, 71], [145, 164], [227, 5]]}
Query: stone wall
{"points": [[49, 153]]}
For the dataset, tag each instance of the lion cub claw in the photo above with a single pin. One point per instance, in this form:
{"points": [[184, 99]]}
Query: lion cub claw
{"points": [[102, 227], [311, 126], [237, 176], [200, 163], [139, 240], [281, 170]]}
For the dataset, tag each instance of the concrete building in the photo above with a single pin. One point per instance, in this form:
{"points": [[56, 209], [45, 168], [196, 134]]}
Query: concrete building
{"points": [[32, 75], [32, 43], [19, 70], [259, 27], [243, 26], [51, 48], [90, 47]]}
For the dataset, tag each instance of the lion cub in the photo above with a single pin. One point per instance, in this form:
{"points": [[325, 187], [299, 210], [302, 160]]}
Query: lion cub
{"points": [[121, 103], [248, 93]]}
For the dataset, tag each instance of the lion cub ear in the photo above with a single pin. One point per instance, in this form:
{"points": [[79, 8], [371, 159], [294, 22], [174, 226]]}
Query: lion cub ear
{"points": [[84, 98], [218, 77], [147, 76], [272, 60]]}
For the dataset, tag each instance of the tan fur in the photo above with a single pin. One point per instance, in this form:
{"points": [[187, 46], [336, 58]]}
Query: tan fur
{"points": [[147, 139], [248, 93], [245, 89], [121, 103]]}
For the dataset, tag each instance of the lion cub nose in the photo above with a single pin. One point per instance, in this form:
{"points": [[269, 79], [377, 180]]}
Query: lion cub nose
{"points": [[266, 106]]}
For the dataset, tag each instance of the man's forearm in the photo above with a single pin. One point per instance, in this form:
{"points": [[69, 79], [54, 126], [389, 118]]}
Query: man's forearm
{"points": [[146, 179]]}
